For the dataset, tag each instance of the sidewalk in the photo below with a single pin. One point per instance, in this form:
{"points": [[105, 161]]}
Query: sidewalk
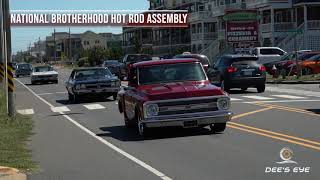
{"points": [[293, 82]]}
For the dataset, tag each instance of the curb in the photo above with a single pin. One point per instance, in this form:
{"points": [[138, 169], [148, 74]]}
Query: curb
{"points": [[293, 82], [7, 173]]}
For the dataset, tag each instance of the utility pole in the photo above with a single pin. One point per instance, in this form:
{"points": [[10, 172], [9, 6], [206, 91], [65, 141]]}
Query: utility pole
{"points": [[8, 58], [55, 46], [2, 74], [70, 50], [39, 50]]}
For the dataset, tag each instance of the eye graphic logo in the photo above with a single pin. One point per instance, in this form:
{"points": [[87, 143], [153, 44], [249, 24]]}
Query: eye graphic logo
{"points": [[286, 155]]}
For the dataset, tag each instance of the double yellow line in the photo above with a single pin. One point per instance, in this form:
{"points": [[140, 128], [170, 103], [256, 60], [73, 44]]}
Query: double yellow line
{"points": [[274, 135]]}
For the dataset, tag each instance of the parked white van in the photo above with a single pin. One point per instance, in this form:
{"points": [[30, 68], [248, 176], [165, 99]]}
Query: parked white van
{"points": [[268, 54]]}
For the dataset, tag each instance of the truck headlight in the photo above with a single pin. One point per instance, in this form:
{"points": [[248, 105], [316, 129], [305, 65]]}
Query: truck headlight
{"points": [[113, 83], [151, 110], [223, 103], [82, 86], [78, 87]]}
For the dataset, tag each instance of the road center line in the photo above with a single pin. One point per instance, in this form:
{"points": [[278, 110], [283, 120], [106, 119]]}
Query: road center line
{"points": [[297, 110], [110, 145], [275, 137], [251, 112]]}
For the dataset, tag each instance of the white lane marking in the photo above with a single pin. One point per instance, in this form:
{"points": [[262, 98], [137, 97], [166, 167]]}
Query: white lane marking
{"points": [[293, 91], [42, 94], [289, 96], [282, 101], [25, 111], [60, 109], [94, 106], [258, 97], [235, 99], [110, 145]]}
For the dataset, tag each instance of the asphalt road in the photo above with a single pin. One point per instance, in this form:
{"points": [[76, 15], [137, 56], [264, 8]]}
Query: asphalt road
{"points": [[88, 140]]}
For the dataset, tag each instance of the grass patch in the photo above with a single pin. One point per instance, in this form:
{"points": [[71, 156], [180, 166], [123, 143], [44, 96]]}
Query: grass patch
{"points": [[14, 136], [314, 77]]}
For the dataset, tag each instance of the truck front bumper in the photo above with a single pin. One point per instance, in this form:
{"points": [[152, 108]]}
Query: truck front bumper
{"points": [[189, 120]]}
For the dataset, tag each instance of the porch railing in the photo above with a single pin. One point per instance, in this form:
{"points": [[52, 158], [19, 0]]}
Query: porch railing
{"points": [[199, 16], [265, 28], [313, 24], [204, 36]]}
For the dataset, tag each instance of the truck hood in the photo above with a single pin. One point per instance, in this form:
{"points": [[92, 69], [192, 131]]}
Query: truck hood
{"points": [[177, 90], [96, 80], [44, 73]]}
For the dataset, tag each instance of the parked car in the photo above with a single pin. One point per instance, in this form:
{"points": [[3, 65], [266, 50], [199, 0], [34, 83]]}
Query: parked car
{"points": [[130, 59], [289, 66], [44, 74], [97, 81], [114, 66], [173, 92], [23, 69], [285, 61], [311, 65], [202, 58], [268, 54], [238, 71]]}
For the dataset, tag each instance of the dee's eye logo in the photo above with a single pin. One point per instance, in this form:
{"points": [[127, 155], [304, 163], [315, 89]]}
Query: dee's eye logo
{"points": [[286, 155]]}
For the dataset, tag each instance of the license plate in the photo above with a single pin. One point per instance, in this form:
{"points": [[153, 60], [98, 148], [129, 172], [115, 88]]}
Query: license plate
{"points": [[189, 124], [247, 73]]}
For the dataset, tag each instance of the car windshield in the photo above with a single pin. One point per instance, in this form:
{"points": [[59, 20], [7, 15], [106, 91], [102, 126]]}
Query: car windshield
{"points": [[136, 58], [110, 63], [92, 74], [289, 56], [24, 66], [239, 60], [43, 69], [171, 73], [307, 56], [316, 57]]}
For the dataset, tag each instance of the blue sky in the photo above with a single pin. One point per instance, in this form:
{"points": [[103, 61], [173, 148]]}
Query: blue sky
{"points": [[23, 36]]}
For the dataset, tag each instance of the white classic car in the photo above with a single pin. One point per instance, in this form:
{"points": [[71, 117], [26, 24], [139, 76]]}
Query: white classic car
{"points": [[43, 74]]}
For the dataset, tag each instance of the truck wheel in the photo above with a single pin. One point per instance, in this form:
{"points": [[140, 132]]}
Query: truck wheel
{"points": [[261, 88], [143, 130], [114, 96], [70, 97], [218, 127]]}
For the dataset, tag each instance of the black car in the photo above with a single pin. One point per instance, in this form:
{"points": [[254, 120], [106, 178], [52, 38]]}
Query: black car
{"points": [[238, 71], [202, 58], [23, 69], [114, 66], [84, 82], [130, 59]]}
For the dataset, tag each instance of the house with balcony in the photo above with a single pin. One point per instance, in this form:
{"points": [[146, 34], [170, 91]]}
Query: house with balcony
{"points": [[288, 24], [159, 41]]}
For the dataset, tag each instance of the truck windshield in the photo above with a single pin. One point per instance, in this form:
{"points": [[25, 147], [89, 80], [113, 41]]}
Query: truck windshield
{"points": [[43, 69], [171, 73], [92, 74]]}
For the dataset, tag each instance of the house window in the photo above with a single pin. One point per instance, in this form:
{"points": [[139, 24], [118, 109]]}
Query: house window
{"points": [[221, 2]]}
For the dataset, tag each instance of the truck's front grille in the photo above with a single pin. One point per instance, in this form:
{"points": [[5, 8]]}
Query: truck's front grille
{"points": [[187, 106]]}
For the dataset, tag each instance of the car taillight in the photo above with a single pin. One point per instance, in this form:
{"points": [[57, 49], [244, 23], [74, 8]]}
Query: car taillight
{"points": [[231, 69], [262, 68]]}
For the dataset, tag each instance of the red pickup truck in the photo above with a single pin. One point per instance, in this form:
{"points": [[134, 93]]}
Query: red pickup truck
{"points": [[175, 92]]}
